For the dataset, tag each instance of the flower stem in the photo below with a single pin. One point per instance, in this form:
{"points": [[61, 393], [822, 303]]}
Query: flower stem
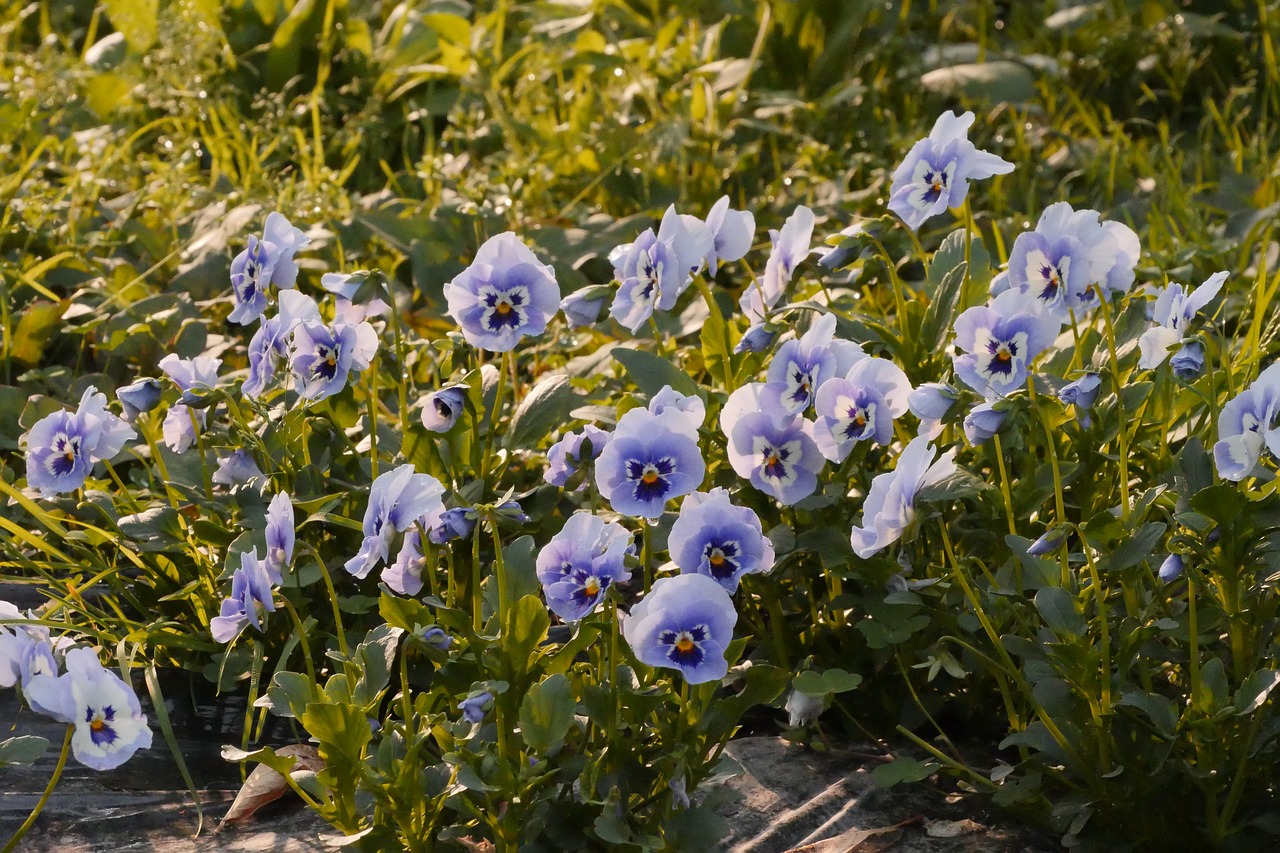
{"points": [[1004, 487], [44, 798]]}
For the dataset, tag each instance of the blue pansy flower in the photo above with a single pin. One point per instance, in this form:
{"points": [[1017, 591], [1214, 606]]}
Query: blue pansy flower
{"points": [[802, 364], [397, 499], [456, 523], [237, 468], [936, 172], [263, 263], [505, 294], [999, 340], [773, 450], [1173, 313], [757, 338], [181, 426], [476, 706], [651, 459], [583, 307], [788, 248], [250, 594], [323, 356], [1245, 425], [653, 271], [732, 233], [983, 422], [713, 537], [1048, 542], [566, 457], [404, 576], [1171, 568], [440, 409], [930, 403], [1081, 393], [580, 563], [269, 346], [859, 406], [1069, 251], [890, 505], [62, 446], [1188, 362], [109, 724], [281, 535], [141, 395], [684, 623]]}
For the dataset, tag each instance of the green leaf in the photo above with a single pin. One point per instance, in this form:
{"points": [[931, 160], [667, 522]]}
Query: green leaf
{"points": [[1161, 711], [651, 373], [547, 713], [990, 82], [1255, 690], [1059, 610], [376, 655], [136, 20], [289, 693], [343, 732], [1135, 549], [22, 750], [942, 307], [903, 770], [526, 628], [545, 408]]}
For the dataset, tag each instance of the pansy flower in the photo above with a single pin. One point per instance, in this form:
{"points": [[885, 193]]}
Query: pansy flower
{"points": [[1174, 311], [269, 346], [181, 426], [802, 364], [404, 576], [567, 456], [1245, 425], [890, 505], [684, 623], [788, 248], [732, 232], [713, 537], [936, 172], [281, 535], [237, 468], [263, 263], [583, 307], [859, 406], [983, 422], [323, 356], [653, 271], [505, 294], [580, 563], [141, 395], [999, 340], [1069, 251], [772, 449], [651, 459], [250, 596], [397, 499], [440, 409], [62, 446]]}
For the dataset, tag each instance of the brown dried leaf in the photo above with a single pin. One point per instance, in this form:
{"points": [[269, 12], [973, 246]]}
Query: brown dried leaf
{"points": [[951, 828], [859, 840], [265, 785]]}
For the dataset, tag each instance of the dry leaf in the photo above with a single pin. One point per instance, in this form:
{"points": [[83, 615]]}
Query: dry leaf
{"points": [[951, 828], [859, 840], [265, 785]]}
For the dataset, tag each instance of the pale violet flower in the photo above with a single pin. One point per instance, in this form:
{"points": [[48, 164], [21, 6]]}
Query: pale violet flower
{"points": [[199, 373], [567, 457], [281, 535], [181, 427], [62, 447], [983, 422], [583, 307], [656, 269], [141, 395], [890, 505], [108, 719], [397, 499], [250, 597], [684, 623], [1245, 425], [236, 469], [440, 409], [936, 172], [263, 263], [802, 364], [322, 357], [1173, 313], [771, 448], [650, 459], [580, 563], [506, 294], [732, 232], [859, 406], [713, 537], [999, 340], [930, 403], [789, 247], [269, 346]]}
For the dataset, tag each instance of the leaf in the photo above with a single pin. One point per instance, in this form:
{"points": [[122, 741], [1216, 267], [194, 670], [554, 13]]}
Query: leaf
{"points": [[951, 828], [903, 770], [1135, 549], [651, 373], [939, 315], [264, 784], [1255, 690], [1058, 609], [136, 20], [35, 327], [377, 655], [543, 409], [991, 82], [526, 627], [22, 750], [547, 713], [1161, 711], [288, 694], [858, 840]]}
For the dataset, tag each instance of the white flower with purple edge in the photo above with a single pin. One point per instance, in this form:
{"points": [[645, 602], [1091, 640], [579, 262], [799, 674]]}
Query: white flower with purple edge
{"points": [[684, 623], [580, 563], [263, 263], [63, 446], [890, 505], [655, 270], [1173, 313], [1245, 426], [110, 726], [732, 233], [713, 537], [859, 406], [506, 294], [936, 172]]}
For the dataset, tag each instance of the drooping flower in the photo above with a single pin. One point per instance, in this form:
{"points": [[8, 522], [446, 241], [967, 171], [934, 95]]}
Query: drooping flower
{"points": [[269, 346], [983, 422], [757, 338], [250, 596], [684, 623], [567, 456], [1069, 251], [505, 294], [237, 468], [930, 403], [263, 263], [654, 270], [713, 537], [732, 232], [860, 405], [788, 248], [1173, 313], [1171, 568], [802, 364], [346, 286], [999, 340], [890, 505], [440, 409], [181, 426], [456, 523], [323, 356], [404, 576], [199, 373], [1188, 362], [63, 446], [13, 642], [397, 499], [580, 563], [772, 449], [476, 706], [1081, 393], [1246, 424], [141, 395], [936, 172], [281, 535], [651, 459], [690, 408], [583, 307], [1048, 542]]}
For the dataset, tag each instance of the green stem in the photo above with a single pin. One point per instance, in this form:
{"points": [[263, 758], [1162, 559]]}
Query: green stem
{"points": [[1004, 487], [44, 798]]}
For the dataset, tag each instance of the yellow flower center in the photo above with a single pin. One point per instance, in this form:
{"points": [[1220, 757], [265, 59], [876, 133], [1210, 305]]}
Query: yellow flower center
{"points": [[649, 477], [503, 308], [684, 644], [592, 586]]}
